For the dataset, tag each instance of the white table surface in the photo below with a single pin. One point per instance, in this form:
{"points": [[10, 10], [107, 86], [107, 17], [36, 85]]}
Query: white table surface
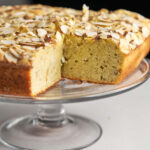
{"points": [[125, 118]]}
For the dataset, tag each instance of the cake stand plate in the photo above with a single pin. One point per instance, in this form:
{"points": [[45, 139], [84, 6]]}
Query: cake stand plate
{"points": [[50, 128]]}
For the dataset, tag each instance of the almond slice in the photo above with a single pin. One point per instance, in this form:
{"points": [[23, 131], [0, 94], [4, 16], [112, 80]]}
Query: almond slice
{"points": [[58, 36], [91, 33], [10, 58], [41, 32], [125, 51], [103, 23], [13, 52], [29, 47], [63, 60], [64, 28], [145, 32], [85, 10], [35, 39], [7, 42]]}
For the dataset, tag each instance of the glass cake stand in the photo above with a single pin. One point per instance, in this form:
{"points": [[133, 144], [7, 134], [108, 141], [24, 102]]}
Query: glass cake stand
{"points": [[51, 128]]}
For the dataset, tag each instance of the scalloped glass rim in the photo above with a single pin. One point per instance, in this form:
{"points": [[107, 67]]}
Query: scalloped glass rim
{"points": [[68, 91]]}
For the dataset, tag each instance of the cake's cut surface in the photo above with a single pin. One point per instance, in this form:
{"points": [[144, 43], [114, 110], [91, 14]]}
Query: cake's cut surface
{"points": [[96, 46]]}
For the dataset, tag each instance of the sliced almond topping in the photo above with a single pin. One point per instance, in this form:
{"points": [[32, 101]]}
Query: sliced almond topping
{"points": [[7, 42], [7, 24], [88, 27], [125, 51], [103, 36], [103, 16], [41, 24], [38, 17], [10, 58], [145, 32], [135, 27], [31, 33], [58, 36], [85, 10], [103, 23], [91, 33], [124, 44], [13, 52], [35, 39], [64, 28], [32, 44], [6, 31], [63, 60], [115, 35], [28, 47], [120, 31], [41, 32], [20, 13], [133, 46], [31, 25], [71, 22], [79, 32]]}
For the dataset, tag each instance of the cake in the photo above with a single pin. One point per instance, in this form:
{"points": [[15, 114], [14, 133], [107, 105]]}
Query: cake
{"points": [[40, 44]]}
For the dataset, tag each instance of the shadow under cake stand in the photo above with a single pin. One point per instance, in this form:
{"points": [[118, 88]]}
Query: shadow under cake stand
{"points": [[51, 128]]}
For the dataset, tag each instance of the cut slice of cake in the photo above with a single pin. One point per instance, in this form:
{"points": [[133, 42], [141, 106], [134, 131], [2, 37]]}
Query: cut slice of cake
{"points": [[30, 50]]}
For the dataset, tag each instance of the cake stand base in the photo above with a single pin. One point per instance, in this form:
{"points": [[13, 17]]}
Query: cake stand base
{"points": [[49, 129]]}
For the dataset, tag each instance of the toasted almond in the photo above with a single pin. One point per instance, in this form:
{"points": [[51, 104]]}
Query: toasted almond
{"points": [[103, 16], [32, 44], [41, 32], [63, 60], [88, 26], [64, 28], [35, 39], [125, 51], [145, 32], [10, 58], [31, 33], [135, 27], [7, 42], [103, 36], [41, 24], [79, 32], [28, 47], [20, 13], [124, 43], [13, 52], [103, 23], [120, 31], [91, 33], [39, 17], [115, 35], [31, 25], [85, 10], [132, 46], [71, 22], [6, 30], [58, 36], [7, 24]]}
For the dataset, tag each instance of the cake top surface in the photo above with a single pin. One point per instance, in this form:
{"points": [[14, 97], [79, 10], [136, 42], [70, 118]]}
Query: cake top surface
{"points": [[26, 29]]}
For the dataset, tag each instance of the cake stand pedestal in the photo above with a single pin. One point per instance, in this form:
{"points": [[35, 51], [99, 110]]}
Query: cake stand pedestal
{"points": [[51, 128]]}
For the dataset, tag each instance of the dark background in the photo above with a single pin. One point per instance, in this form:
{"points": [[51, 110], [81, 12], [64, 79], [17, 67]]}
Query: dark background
{"points": [[140, 6]]}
